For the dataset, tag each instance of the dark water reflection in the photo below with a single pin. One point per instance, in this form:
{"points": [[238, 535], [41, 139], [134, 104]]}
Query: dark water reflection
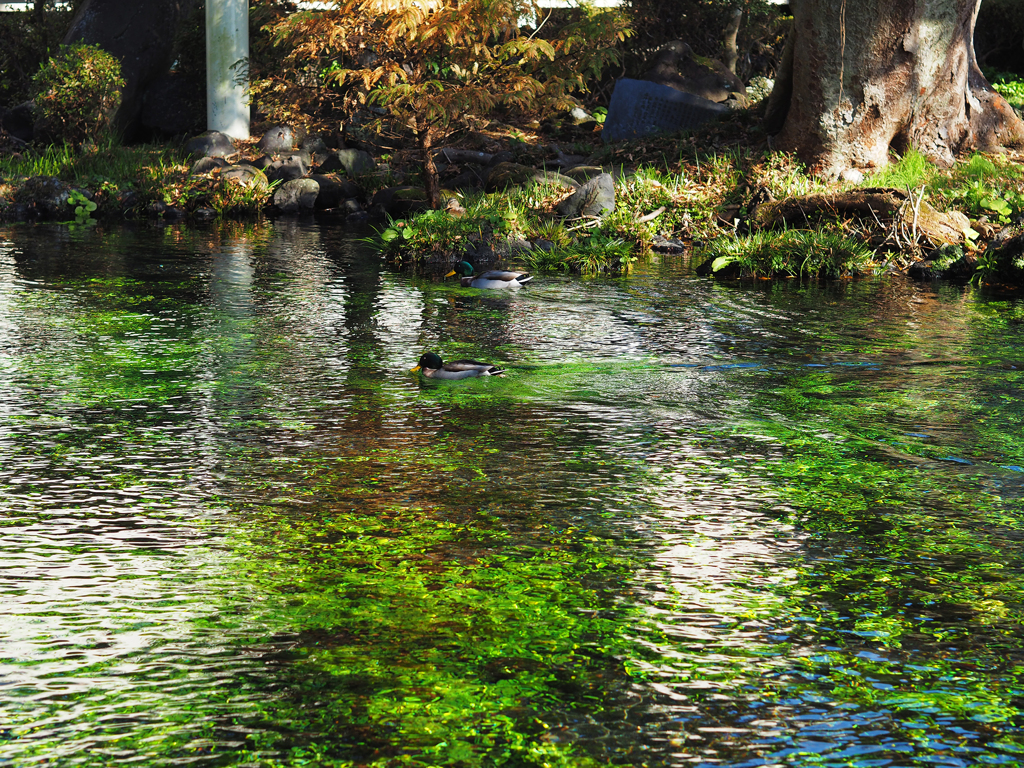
{"points": [[697, 524]]}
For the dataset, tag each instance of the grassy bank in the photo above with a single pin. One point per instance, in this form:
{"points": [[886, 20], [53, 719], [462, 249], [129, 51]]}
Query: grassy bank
{"points": [[703, 190], [697, 193], [123, 181]]}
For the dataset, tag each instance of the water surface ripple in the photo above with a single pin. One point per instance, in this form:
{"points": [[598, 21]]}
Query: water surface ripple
{"points": [[697, 524]]}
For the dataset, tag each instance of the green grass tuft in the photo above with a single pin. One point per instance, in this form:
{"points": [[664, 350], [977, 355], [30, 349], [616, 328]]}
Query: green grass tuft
{"points": [[790, 253], [909, 172]]}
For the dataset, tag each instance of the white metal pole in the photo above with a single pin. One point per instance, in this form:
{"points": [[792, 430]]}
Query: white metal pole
{"points": [[227, 67]]}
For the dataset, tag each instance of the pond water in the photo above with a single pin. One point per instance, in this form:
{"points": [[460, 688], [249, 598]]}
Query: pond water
{"points": [[697, 524]]}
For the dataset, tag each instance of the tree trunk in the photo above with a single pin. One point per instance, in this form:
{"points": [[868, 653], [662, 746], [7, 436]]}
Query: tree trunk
{"points": [[782, 94], [140, 35], [870, 76], [425, 140], [39, 12], [732, 29]]}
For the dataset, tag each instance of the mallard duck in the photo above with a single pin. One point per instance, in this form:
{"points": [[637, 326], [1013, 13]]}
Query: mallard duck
{"points": [[434, 368], [494, 278]]}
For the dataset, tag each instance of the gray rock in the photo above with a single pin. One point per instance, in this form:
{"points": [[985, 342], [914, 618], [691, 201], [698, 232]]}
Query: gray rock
{"points": [[243, 173], [595, 198], [480, 253], [675, 66], [852, 175], [330, 164], [128, 200], [582, 173], [174, 214], [352, 162], [263, 162], [210, 144], [513, 247], [204, 214], [16, 212], [469, 180], [580, 115], [46, 197], [505, 175], [156, 209], [314, 145], [352, 206], [297, 195], [355, 162], [671, 246], [639, 108], [924, 270], [276, 140], [207, 164], [399, 201], [334, 190], [287, 169]]}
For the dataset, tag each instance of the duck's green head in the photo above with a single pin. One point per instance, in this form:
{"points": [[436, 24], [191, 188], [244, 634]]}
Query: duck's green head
{"points": [[429, 360], [463, 268]]}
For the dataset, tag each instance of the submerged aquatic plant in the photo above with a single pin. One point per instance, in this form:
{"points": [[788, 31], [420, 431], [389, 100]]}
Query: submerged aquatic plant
{"points": [[790, 253]]}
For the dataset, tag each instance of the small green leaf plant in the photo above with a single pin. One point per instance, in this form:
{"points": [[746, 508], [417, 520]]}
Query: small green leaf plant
{"points": [[84, 208], [983, 188], [986, 267]]}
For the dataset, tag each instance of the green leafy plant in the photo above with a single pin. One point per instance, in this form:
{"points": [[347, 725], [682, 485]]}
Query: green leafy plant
{"points": [[432, 231], [982, 187], [986, 267], [77, 93], [645, 202], [84, 208]]}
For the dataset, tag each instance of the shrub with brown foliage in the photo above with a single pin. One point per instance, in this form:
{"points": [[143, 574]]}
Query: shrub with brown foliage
{"points": [[428, 65]]}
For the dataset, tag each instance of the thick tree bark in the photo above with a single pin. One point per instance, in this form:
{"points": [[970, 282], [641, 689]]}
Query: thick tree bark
{"points": [[140, 35], [871, 76]]}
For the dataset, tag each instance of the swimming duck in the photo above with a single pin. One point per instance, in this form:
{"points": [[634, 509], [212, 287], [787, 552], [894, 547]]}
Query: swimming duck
{"points": [[494, 278], [434, 368]]}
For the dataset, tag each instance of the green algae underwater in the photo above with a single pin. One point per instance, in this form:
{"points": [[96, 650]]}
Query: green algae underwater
{"points": [[696, 523]]}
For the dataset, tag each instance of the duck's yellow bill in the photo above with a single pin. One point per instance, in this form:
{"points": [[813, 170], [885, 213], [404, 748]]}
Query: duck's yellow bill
{"points": [[413, 370], [450, 273]]}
